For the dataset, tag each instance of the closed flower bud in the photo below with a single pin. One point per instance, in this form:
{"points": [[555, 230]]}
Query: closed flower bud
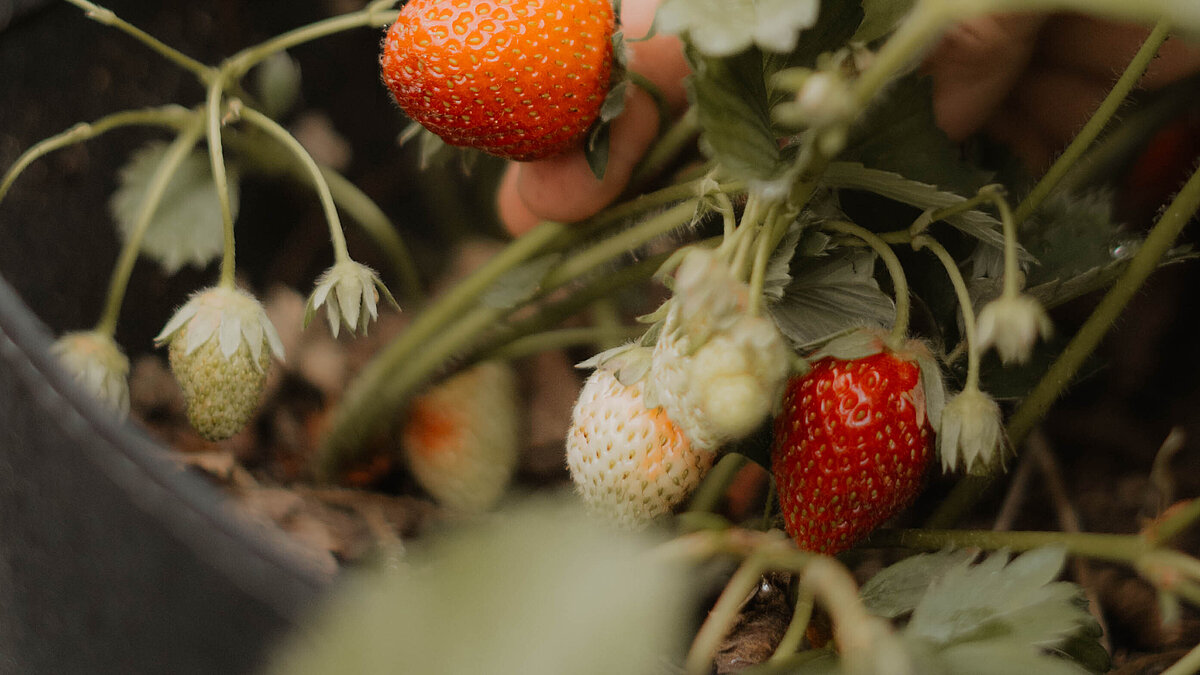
{"points": [[1013, 324], [350, 293], [971, 436]]}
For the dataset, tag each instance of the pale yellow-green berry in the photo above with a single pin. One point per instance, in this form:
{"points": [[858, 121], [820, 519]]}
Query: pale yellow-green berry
{"points": [[221, 343], [629, 464], [461, 438]]}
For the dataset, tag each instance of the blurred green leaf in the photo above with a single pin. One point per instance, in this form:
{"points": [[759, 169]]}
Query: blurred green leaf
{"points": [[730, 96], [899, 133], [880, 17], [186, 229], [539, 589], [721, 28], [277, 84], [896, 589], [519, 284]]}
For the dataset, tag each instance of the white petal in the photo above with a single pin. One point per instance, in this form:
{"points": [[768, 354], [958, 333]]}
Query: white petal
{"points": [[200, 329], [176, 322], [350, 297], [231, 334], [272, 337]]}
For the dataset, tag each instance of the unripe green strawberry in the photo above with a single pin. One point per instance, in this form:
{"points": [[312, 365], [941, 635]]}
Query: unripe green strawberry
{"points": [[461, 436], [220, 344], [851, 448], [629, 463], [522, 79]]}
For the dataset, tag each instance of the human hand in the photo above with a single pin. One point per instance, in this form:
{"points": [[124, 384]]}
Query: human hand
{"points": [[1030, 81]]}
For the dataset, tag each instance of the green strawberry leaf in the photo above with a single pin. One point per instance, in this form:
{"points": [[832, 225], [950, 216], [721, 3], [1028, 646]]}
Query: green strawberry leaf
{"points": [[998, 599], [719, 28], [836, 23], [731, 103], [186, 228], [880, 17], [829, 295], [900, 134], [1004, 657], [896, 590], [1072, 234], [977, 224], [504, 596]]}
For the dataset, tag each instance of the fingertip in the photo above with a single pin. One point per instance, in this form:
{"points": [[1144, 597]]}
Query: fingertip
{"points": [[513, 213]]}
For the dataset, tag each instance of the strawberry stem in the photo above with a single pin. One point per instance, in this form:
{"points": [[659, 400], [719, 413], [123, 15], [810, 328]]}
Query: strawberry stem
{"points": [[272, 128], [163, 173], [776, 226], [169, 116], [1156, 245], [565, 338], [895, 269], [708, 495], [221, 180], [666, 148], [1096, 124], [373, 15], [964, 304], [107, 17]]}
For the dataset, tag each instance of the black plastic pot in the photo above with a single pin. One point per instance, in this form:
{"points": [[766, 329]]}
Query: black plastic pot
{"points": [[112, 560]]}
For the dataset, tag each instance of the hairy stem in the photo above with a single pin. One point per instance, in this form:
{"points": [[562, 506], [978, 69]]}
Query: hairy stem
{"points": [[1123, 548], [221, 180], [163, 173], [272, 128], [708, 495], [1035, 405], [239, 64], [722, 616], [895, 269], [563, 338], [964, 304], [170, 116], [1099, 119], [107, 17]]}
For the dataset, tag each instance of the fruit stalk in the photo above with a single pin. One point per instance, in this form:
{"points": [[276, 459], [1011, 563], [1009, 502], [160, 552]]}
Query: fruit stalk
{"points": [[168, 166], [964, 304], [895, 269], [107, 17], [220, 179], [1035, 405]]}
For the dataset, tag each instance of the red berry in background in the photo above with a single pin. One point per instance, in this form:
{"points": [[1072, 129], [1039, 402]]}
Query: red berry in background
{"points": [[522, 79], [851, 447]]}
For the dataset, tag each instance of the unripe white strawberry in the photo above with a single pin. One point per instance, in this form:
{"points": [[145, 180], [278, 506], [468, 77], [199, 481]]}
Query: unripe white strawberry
{"points": [[461, 436], [629, 463], [728, 386], [220, 344]]}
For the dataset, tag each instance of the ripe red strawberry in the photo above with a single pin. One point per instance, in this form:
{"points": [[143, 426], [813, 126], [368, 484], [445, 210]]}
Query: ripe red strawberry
{"points": [[522, 79], [851, 447]]}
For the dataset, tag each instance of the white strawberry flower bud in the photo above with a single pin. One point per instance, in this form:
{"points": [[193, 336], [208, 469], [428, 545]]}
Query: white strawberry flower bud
{"points": [[707, 295], [971, 434], [98, 365], [629, 463], [1013, 323], [221, 343], [350, 292], [461, 438], [824, 100]]}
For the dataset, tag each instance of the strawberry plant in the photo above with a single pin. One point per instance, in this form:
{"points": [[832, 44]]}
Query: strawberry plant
{"points": [[806, 269]]}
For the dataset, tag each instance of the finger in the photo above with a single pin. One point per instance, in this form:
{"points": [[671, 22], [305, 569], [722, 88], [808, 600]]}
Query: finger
{"points": [[563, 188], [975, 66], [511, 209]]}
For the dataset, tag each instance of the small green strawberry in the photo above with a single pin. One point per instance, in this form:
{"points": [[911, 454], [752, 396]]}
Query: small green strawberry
{"points": [[521, 79], [99, 366], [220, 344], [629, 463], [461, 436], [851, 447]]}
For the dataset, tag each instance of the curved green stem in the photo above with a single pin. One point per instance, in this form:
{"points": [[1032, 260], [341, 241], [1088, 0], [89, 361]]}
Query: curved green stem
{"points": [[561, 339], [912, 38], [372, 219], [163, 173], [1123, 548], [666, 148], [722, 616], [239, 64], [107, 17], [708, 495], [626, 241], [797, 627], [964, 304], [221, 180], [1100, 119], [895, 269], [375, 394], [773, 231], [273, 129], [1156, 245], [170, 116]]}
